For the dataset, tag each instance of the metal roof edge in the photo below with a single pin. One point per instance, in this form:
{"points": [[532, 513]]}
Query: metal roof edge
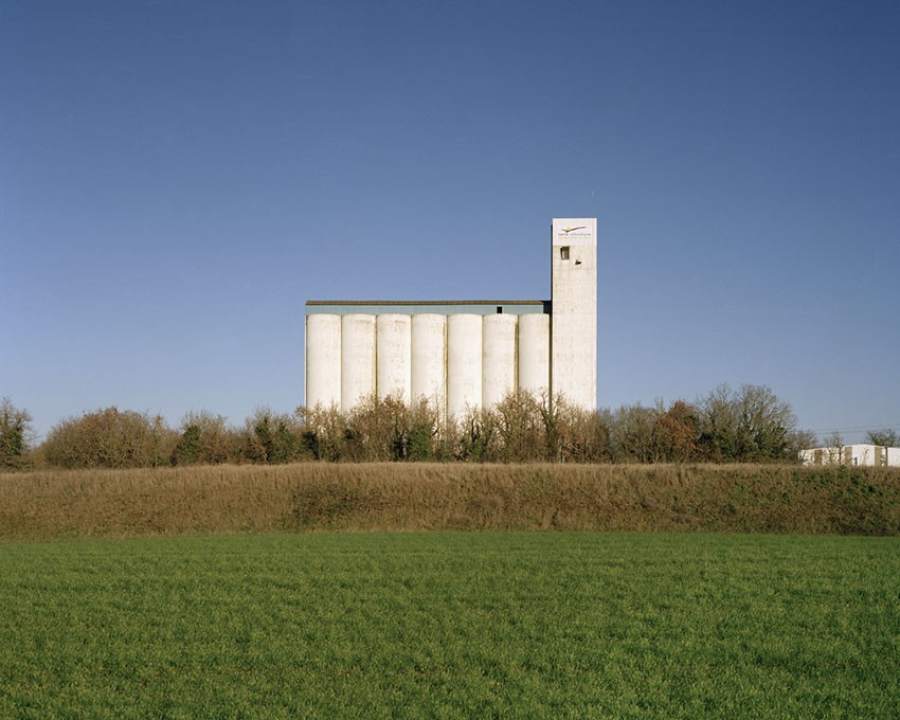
{"points": [[424, 302]]}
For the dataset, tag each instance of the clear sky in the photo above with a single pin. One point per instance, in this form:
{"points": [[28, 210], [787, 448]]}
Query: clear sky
{"points": [[177, 178]]}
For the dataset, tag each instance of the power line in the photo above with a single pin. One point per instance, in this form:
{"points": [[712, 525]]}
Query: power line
{"points": [[860, 428]]}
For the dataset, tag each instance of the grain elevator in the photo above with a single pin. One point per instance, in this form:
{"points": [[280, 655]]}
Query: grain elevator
{"points": [[464, 354]]}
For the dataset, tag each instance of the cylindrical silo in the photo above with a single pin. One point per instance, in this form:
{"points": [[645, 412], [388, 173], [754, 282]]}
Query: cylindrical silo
{"points": [[393, 356], [534, 353], [464, 347], [357, 359], [323, 360], [499, 363], [429, 359]]}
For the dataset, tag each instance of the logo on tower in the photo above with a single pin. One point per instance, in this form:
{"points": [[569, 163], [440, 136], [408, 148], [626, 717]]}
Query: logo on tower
{"points": [[574, 231]]}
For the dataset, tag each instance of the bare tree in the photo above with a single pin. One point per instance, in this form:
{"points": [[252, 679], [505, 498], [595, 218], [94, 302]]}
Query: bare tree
{"points": [[884, 438]]}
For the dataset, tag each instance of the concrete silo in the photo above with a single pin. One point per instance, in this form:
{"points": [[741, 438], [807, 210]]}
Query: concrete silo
{"points": [[460, 354], [323, 360], [499, 358], [357, 359], [534, 354], [393, 356], [464, 371], [429, 359], [573, 330]]}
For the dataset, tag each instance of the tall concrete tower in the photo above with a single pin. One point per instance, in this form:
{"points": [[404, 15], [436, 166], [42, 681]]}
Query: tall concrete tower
{"points": [[573, 362]]}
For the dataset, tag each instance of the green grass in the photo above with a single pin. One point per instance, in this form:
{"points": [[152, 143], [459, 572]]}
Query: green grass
{"points": [[448, 625]]}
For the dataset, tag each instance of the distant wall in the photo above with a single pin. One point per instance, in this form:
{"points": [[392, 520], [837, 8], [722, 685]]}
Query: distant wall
{"points": [[864, 455]]}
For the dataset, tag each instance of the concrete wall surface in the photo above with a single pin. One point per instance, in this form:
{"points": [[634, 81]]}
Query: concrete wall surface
{"points": [[573, 341], [429, 359], [394, 356], [357, 359], [464, 363], [534, 354], [498, 372], [323, 360], [454, 362]]}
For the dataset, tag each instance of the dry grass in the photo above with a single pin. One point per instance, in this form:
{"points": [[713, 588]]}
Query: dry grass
{"points": [[227, 498]]}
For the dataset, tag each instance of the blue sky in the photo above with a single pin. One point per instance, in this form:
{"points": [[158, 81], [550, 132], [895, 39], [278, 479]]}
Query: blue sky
{"points": [[176, 179]]}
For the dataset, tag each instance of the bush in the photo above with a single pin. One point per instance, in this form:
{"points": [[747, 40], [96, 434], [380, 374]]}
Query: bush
{"points": [[584, 436], [15, 435], [110, 438], [884, 438], [633, 434], [520, 429], [274, 438], [207, 440], [747, 425], [376, 430]]}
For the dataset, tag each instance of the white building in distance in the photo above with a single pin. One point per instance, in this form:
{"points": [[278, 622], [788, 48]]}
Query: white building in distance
{"points": [[464, 354], [860, 454]]}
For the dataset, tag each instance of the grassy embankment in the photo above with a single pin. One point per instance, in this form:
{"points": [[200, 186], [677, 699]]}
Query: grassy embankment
{"points": [[398, 496], [451, 625]]}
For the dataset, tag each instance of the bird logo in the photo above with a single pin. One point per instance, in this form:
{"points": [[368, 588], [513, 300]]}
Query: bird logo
{"points": [[573, 229]]}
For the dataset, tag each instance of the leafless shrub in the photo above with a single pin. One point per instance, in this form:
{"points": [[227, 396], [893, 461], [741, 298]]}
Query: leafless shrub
{"points": [[110, 438], [520, 429], [324, 432], [884, 438], [747, 425]]}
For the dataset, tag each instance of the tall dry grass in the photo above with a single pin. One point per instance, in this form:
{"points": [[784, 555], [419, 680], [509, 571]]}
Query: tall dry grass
{"points": [[416, 496]]}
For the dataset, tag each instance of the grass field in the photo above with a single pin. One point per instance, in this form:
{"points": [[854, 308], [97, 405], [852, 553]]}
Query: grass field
{"points": [[377, 625]]}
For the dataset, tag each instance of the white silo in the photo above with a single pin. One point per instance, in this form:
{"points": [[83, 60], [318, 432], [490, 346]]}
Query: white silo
{"points": [[464, 354], [323, 360], [429, 359], [534, 353], [573, 332], [393, 356], [499, 358], [357, 359]]}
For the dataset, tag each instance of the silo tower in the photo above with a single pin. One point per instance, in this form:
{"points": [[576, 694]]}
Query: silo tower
{"points": [[573, 341], [461, 355]]}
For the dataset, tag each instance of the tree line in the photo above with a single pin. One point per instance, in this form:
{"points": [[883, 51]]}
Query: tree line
{"points": [[748, 424]]}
